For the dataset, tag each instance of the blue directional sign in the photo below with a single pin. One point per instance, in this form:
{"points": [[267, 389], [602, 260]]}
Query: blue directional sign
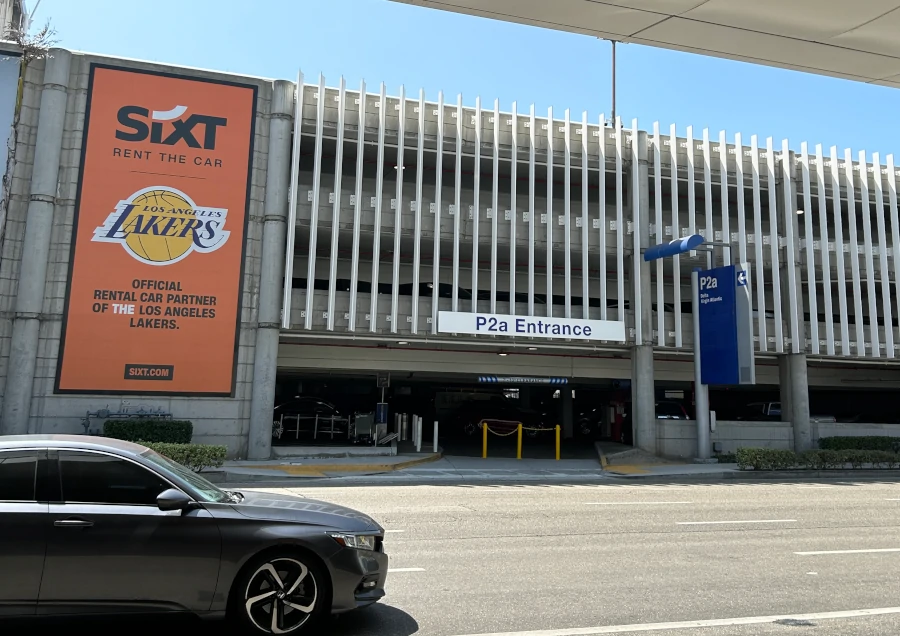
{"points": [[493, 379], [673, 248], [726, 328]]}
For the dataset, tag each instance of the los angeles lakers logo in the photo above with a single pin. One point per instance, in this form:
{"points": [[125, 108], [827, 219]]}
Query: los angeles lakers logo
{"points": [[161, 225]]}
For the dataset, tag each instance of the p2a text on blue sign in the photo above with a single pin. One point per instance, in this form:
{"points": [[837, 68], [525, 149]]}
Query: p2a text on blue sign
{"points": [[726, 326]]}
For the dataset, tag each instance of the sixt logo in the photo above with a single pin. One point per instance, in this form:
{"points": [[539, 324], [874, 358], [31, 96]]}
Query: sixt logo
{"points": [[161, 225], [136, 128]]}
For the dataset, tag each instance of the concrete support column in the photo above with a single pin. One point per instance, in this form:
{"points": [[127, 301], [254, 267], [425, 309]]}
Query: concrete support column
{"points": [[643, 398], [568, 422], [795, 399], [792, 367], [36, 246], [268, 328], [643, 387], [784, 387]]}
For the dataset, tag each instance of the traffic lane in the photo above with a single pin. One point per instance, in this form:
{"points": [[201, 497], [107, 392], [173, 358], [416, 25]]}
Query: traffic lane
{"points": [[449, 512], [489, 560], [882, 625], [862, 626], [602, 576], [502, 584], [384, 620]]}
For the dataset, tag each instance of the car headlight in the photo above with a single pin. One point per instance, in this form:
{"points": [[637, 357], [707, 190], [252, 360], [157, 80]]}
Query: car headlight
{"points": [[356, 541]]}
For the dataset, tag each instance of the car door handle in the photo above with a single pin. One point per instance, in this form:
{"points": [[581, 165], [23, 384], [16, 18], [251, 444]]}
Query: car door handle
{"points": [[73, 523]]}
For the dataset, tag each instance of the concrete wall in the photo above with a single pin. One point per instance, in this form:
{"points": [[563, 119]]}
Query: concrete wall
{"points": [[677, 439], [216, 420], [858, 430]]}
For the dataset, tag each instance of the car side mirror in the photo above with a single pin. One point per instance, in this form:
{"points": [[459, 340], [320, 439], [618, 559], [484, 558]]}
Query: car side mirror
{"points": [[173, 499]]}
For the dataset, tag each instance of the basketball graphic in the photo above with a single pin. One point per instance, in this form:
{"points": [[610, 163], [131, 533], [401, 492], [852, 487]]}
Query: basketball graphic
{"points": [[161, 225], [165, 205]]}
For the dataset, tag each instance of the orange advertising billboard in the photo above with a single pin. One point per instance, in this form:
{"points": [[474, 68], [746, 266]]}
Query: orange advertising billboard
{"points": [[156, 267]]}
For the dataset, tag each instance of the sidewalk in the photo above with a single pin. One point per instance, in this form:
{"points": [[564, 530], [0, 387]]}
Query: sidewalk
{"points": [[494, 469], [423, 467], [247, 471], [437, 468], [431, 468], [675, 471], [619, 460]]}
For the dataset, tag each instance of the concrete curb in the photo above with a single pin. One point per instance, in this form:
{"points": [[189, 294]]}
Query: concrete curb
{"points": [[450, 480], [604, 462], [764, 475], [316, 470]]}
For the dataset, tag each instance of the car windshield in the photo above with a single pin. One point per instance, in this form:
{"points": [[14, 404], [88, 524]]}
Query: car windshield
{"points": [[206, 491]]}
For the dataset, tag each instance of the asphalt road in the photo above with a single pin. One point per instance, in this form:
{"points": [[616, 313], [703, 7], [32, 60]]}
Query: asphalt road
{"points": [[528, 559], [676, 560]]}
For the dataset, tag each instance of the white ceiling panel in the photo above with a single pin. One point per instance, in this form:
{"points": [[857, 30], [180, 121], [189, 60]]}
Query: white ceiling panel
{"points": [[855, 40], [817, 20], [663, 7], [878, 36], [770, 49], [579, 15]]}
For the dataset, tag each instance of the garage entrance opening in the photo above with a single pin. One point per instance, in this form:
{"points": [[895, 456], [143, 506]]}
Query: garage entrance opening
{"points": [[338, 409]]}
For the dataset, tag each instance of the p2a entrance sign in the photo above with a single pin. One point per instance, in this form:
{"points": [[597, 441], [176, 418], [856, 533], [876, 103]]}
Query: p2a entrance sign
{"points": [[726, 326]]}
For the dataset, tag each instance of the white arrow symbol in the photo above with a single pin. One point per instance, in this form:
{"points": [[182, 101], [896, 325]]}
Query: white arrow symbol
{"points": [[742, 278]]}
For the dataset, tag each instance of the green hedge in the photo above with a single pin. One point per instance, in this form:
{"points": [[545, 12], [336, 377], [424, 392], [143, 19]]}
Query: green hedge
{"points": [[150, 430], [776, 459], [865, 443], [196, 457]]}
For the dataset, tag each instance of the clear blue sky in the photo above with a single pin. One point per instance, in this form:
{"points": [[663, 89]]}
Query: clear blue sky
{"points": [[384, 41]]}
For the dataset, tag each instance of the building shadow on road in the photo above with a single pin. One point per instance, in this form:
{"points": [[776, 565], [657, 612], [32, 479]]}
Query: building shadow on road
{"points": [[378, 620]]}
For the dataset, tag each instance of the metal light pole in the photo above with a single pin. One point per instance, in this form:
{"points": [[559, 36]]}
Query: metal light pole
{"points": [[613, 82], [740, 329], [701, 391]]}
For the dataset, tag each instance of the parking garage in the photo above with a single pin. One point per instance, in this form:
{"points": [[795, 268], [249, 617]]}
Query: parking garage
{"points": [[387, 235]]}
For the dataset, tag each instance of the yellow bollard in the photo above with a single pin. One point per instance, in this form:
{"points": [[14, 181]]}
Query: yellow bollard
{"points": [[484, 429], [557, 442], [519, 446]]}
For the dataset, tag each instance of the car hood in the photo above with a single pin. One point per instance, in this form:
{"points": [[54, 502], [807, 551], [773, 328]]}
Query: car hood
{"points": [[272, 507]]}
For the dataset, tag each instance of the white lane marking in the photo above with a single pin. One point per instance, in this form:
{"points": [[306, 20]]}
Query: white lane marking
{"points": [[872, 551], [393, 531], [636, 503], [892, 499], [716, 622], [705, 523], [393, 570]]}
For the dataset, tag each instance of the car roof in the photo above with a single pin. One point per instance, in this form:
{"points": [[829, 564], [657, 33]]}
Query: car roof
{"points": [[81, 442]]}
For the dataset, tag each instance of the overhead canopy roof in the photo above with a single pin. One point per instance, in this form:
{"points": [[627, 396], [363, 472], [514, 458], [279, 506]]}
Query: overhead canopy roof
{"points": [[852, 40]]}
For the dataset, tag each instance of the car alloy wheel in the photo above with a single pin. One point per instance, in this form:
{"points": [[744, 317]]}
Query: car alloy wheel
{"points": [[280, 596]]}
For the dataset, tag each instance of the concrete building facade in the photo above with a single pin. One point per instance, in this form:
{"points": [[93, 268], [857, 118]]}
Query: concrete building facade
{"points": [[379, 224], [37, 247]]}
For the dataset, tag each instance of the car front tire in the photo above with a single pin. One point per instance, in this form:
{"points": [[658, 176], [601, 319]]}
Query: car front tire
{"points": [[283, 592]]}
